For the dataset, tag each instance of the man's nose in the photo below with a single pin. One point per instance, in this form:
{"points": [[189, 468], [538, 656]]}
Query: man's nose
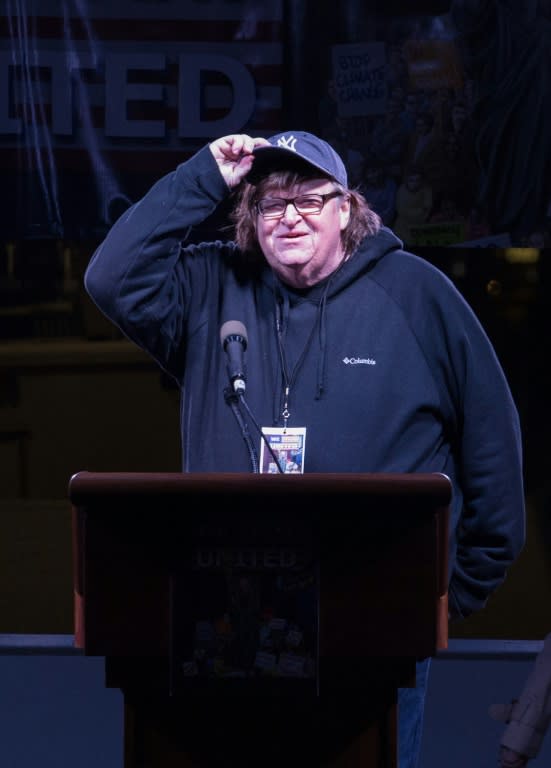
{"points": [[290, 213]]}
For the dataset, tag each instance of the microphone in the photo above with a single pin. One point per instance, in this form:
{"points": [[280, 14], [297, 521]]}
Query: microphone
{"points": [[233, 337]]}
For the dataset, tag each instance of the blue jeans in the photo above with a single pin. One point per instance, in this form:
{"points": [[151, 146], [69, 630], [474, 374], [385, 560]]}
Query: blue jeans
{"points": [[411, 709]]}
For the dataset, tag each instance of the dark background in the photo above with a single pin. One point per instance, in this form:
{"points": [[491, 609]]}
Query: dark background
{"points": [[74, 395]]}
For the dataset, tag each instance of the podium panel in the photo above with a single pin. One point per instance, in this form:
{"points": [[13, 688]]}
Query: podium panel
{"points": [[259, 610]]}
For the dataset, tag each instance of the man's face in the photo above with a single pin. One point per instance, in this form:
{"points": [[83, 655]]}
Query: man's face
{"points": [[303, 249]]}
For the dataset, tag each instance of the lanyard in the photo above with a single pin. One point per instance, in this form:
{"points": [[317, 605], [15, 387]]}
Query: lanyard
{"points": [[289, 377]]}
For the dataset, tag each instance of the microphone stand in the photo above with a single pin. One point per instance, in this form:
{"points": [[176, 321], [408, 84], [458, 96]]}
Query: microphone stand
{"points": [[233, 399], [261, 433]]}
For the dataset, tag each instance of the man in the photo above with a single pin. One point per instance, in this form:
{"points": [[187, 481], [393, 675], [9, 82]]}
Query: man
{"points": [[527, 717], [367, 352]]}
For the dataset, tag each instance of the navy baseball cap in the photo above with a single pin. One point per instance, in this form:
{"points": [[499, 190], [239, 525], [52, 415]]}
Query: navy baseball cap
{"points": [[291, 146]]}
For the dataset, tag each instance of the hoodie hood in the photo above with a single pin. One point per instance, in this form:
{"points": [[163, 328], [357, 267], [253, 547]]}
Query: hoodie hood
{"points": [[369, 253]]}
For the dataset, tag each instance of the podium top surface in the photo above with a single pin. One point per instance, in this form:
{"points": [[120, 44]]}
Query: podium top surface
{"points": [[86, 486]]}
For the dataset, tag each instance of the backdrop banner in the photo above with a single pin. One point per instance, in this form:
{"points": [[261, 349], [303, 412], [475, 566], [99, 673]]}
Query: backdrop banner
{"points": [[99, 99]]}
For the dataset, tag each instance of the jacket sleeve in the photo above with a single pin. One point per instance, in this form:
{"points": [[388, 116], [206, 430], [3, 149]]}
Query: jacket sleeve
{"points": [[137, 276], [488, 509]]}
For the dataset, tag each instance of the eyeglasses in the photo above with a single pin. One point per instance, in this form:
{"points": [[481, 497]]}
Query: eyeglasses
{"points": [[275, 207]]}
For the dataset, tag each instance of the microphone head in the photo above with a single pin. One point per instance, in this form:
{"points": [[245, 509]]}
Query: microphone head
{"points": [[233, 328]]}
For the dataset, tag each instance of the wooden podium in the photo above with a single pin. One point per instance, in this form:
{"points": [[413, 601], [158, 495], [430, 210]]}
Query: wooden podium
{"points": [[260, 619]]}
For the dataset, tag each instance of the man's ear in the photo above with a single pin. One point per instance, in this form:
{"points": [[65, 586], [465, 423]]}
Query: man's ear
{"points": [[344, 211]]}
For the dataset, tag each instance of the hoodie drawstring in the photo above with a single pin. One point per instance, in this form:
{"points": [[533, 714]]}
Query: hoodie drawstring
{"points": [[322, 359], [320, 323]]}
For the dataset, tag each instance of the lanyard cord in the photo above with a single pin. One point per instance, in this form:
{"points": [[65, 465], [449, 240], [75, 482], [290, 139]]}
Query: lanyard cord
{"points": [[289, 377]]}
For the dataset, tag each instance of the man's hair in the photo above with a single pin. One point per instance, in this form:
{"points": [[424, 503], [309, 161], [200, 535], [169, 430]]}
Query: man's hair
{"points": [[363, 221]]}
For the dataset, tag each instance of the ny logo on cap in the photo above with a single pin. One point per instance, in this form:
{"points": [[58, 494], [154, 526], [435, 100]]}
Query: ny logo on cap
{"points": [[287, 143]]}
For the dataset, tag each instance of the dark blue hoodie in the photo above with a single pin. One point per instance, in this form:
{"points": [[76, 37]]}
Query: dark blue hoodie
{"points": [[390, 370]]}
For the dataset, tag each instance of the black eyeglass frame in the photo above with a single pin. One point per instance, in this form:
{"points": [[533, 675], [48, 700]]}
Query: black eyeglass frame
{"points": [[292, 201]]}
